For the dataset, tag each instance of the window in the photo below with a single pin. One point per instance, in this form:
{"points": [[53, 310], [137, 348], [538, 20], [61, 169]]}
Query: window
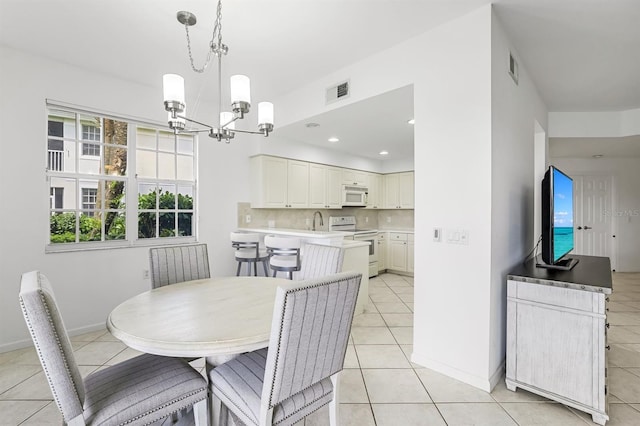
{"points": [[96, 199], [90, 133]]}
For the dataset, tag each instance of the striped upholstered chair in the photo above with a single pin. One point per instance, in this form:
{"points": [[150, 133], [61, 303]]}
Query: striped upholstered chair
{"points": [[138, 391], [298, 373], [319, 261], [170, 265]]}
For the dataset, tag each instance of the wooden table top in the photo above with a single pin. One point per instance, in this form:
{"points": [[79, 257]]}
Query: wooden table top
{"points": [[202, 318]]}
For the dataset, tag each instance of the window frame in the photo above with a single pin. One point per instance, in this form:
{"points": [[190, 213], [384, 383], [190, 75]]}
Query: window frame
{"points": [[131, 182]]}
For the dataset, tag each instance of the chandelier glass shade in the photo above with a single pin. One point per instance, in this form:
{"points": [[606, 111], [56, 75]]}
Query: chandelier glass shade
{"points": [[174, 93]]}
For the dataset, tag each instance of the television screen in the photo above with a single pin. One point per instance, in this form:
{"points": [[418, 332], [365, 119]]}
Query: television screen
{"points": [[557, 216]]}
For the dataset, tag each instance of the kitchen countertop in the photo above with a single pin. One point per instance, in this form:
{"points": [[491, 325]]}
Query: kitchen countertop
{"points": [[303, 233], [400, 230]]}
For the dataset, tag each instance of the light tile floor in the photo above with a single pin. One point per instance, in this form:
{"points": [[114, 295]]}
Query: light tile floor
{"points": [[379, 386]]}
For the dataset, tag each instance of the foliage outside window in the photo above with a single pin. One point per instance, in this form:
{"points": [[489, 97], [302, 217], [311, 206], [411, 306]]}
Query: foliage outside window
{"points": [[89, 182]]}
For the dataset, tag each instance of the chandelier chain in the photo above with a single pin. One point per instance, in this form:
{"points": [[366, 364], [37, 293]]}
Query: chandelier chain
{"points": [[214, 47]]}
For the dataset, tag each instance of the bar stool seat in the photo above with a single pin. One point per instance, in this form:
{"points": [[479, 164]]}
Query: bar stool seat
{"points": [[248, 251], [284, 254]]}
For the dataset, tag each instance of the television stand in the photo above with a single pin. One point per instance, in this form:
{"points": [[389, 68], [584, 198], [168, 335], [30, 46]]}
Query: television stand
{"points": [[563, 265]]}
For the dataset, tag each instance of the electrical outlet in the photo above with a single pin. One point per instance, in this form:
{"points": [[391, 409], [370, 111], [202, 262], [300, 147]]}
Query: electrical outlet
{"points": [[437, 234], [248, 218], [145, 274]]}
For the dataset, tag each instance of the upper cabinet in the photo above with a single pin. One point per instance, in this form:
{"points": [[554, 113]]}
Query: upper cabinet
{"points": [[282, 183], [399, 190], [279, 183], [376, 191], [325, 186], [354, 177]]}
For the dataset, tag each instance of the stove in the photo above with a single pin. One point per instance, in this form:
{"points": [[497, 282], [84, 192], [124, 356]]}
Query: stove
{"points": [[348, 224]]}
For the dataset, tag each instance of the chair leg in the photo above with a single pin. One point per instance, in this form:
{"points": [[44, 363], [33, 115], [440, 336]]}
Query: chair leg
{"points": [[274, 273], [255, 268], [238, 271], [249, 268], [334, 405], [264, 265]]}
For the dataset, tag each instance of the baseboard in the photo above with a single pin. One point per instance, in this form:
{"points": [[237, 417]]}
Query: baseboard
{"points": [[481, 383], [21, 344]]}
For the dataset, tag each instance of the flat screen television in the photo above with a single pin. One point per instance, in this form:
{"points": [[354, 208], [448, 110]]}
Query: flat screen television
{"points": [[557, 220]]}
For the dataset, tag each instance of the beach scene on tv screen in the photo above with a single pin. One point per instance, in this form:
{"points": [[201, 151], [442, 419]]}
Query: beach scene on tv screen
{"points": [[562, 215]]}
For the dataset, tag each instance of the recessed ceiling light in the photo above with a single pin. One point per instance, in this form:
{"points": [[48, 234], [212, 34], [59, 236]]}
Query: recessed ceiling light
{"points": [[333, 140], [384, 152], [311, 125], [597, 156], [412, 121]]}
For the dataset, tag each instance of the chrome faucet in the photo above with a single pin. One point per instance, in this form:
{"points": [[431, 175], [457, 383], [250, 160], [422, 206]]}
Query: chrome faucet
{"points": [[314, 219]]}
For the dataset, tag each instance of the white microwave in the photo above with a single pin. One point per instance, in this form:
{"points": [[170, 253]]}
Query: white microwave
{"points": [[354, 196]]}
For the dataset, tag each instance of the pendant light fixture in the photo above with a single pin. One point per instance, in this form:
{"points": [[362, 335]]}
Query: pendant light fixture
{"points": [[174, 98]]}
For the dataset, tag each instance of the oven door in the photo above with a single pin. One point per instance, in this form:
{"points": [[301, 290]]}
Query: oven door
{"points": [[372, 239]]}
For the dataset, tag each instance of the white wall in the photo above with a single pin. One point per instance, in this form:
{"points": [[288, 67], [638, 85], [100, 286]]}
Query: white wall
{"points": [[88, 284], [594, 124], [626, 202], [518, 116]]}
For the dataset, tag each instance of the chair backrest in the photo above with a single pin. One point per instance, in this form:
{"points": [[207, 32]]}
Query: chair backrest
{"points": [[52, 344], [247, 245], [170, 265], [320, 260], [309, 334], [282, 246]]}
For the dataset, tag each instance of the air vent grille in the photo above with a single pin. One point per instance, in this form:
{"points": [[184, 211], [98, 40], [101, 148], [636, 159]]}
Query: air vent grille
{"points": [[513, 68], [337, 92]]}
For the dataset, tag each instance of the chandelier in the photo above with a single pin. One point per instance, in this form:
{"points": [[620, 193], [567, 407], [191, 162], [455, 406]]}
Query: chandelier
{"points": [[174, 98]]}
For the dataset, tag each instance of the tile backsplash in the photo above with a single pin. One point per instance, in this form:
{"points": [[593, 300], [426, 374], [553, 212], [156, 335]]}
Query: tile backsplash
{"points": [[303, 218]]}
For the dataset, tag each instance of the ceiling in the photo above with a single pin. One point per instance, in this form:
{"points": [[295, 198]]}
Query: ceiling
{"points": [[581, 54]]}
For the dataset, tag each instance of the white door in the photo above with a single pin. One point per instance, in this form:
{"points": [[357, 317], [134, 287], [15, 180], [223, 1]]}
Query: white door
{"points": [[592, 221]]}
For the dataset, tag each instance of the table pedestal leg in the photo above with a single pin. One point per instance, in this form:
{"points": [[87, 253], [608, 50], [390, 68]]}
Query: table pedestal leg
{"points": [[215, 405]]}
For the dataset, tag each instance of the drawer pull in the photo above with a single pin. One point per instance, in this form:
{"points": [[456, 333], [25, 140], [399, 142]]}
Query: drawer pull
{"points": [[607, 325], [608, 347]]}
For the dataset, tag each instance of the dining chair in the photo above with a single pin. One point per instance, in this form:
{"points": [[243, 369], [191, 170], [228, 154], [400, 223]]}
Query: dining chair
{"points": [[284, 254], [298, 373], [248, 250], [320, 260], [138, 391], [176, 264]]}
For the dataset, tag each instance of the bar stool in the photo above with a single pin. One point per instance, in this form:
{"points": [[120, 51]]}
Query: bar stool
{"points": [[284, 254], [248, 250]]}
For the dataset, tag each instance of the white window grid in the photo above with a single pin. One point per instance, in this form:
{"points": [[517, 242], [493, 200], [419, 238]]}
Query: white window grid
{"points": [[130, 183]]}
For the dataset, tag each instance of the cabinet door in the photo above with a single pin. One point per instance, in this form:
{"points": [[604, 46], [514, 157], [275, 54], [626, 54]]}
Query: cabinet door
{"points": [[354, 177], [375, 191], [406, 190], [391, 191], [271, 182], [410, 248], [398, 255], [298, 184], [382, 252], [317, 186], [334, 188]]}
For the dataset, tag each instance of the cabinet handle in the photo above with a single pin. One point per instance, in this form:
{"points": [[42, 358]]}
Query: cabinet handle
{"points": [[608, 347], [607, 299], [607, 325]]}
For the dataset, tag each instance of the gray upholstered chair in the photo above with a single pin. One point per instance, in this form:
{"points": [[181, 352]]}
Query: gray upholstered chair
{"points": [[248, 250], [298, 373], [320, 260], [138, 391], [170, 265], [284, 254]]}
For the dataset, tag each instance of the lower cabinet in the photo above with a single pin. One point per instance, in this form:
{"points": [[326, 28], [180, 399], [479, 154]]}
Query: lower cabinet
{"points": [[382, 251], [556, 344]]}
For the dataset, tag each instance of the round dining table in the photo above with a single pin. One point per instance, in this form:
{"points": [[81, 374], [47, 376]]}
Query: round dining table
{"points": [[215, 318]]}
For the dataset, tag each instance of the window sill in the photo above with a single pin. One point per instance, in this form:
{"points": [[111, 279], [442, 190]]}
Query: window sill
{"points": [[110, 245]]}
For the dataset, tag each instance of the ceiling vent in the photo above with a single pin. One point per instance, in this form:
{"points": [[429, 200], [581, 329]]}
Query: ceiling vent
{"points": [[337, 92], [513, 68]]}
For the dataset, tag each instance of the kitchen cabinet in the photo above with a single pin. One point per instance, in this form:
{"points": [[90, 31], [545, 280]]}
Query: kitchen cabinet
{"points": [[397, 252], [399, 190], [375, 198], [279, 183], [557, 332], [325, 186], [410, 252], [382, 251], [354, 177]]}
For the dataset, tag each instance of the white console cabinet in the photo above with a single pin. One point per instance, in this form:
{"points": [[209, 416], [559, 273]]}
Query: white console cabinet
{"points": [[556, 333]]}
